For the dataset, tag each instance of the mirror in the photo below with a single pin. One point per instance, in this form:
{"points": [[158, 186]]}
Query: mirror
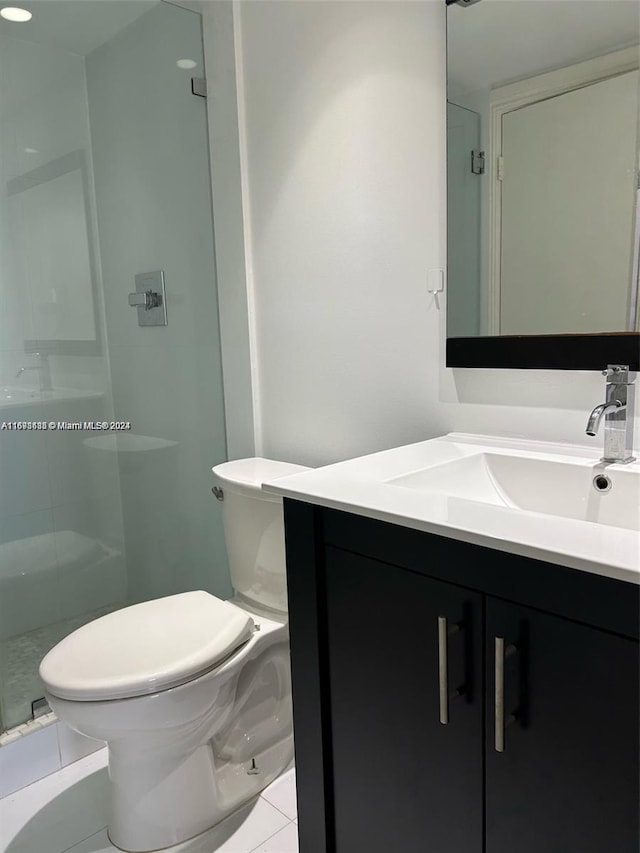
{"points": [[52, 256], [542, 180]]}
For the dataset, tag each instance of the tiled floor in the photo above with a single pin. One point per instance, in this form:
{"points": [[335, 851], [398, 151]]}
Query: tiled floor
{"points": [[67, 811]]}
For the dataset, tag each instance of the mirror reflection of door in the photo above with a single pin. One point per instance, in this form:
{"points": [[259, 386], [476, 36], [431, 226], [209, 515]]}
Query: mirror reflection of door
{"points": [[567, 200], [556, 89], [463, 220]]}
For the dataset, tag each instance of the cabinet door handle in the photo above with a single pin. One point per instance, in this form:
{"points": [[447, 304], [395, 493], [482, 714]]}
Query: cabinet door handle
{"points": [[444, 632], [501, 654]]}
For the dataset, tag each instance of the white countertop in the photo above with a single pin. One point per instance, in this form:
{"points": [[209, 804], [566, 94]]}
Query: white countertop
{"points": [[361, 486]]}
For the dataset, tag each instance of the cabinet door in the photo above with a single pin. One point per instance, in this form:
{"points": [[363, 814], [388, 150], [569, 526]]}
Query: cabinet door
{"points": [[402, 780], [567, 780]]}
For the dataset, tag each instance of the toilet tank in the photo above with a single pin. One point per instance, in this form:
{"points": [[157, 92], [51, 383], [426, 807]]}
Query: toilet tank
{"points": [[254, 529]]}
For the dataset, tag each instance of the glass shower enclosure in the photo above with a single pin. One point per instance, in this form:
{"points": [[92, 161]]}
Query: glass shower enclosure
{"points": [[109, 423]]}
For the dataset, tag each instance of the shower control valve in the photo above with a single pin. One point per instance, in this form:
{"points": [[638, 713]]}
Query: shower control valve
{"points": [[147, 300]]}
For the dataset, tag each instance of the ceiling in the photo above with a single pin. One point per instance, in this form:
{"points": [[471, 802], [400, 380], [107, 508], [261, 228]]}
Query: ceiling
{"points": [[494, 42], [76, 26]]}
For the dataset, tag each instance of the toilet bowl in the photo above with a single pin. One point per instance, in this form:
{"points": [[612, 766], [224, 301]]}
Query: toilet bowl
{"points": [[191, 693]]}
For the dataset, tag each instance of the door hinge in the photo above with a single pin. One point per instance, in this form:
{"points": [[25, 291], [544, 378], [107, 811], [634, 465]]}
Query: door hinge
{"points": [[199, 86], [39, 707], [500, 168], [477, 162]]}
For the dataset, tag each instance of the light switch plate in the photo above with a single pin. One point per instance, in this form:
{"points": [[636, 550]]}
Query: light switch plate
{"points": [[435, 281]]}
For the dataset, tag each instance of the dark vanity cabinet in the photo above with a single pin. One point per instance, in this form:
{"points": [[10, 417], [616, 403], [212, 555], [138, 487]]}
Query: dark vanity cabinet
{"points": [[390, 754], [451, 698], [568, 777]]}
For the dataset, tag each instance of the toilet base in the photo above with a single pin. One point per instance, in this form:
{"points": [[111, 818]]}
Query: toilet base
{"points": [[182, 759], [155, 806]]}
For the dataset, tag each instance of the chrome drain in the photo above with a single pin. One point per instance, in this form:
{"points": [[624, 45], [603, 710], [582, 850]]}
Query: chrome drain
{"points": [[602, 483]]}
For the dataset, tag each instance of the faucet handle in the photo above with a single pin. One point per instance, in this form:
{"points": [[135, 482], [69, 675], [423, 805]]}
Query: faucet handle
{"points": [[617, 373]]}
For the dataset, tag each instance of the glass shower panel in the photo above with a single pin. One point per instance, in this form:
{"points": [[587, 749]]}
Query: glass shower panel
{"points": [[61, 540], [104, 168], [151, 166]]}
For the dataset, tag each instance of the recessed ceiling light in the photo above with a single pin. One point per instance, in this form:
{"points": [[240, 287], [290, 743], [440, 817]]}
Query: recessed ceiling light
{"points": [[186, 63], [16, 14], [31, 151]]}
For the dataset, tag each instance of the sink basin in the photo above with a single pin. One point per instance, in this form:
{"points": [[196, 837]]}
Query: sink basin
{"points": [[533, 498], [581, 490]]}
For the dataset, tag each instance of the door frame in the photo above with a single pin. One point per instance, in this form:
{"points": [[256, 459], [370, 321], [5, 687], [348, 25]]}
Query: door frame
{"points": [[513, 96]]}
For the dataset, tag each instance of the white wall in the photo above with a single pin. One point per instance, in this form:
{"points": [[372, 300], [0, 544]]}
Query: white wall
{"points": [[339, 100], [344, 147]]}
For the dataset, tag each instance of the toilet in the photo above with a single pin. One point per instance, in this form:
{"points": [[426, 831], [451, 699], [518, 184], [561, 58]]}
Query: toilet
{"points": [[191, 693]]}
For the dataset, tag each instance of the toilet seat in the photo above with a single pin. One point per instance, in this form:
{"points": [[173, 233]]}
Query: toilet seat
{"points": [[145, 648]]}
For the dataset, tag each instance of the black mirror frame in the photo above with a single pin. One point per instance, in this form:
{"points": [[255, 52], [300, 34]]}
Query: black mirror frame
{"points": [[546, 352]]}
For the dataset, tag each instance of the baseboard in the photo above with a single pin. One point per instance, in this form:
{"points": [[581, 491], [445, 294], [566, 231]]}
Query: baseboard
{"points": [[38, 748]]}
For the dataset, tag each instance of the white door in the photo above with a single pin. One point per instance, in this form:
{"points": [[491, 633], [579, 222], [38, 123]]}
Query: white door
{"points": [[568, 193]]}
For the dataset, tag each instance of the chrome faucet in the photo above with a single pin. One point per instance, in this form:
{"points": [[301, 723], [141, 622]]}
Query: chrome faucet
{"points": [[617, 411], [44, 369]]}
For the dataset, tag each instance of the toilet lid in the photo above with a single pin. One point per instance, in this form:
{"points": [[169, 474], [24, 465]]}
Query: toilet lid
{"points": [[145, 648]]}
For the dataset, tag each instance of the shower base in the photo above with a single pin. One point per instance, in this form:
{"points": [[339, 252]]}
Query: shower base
{"points": [[20, 658]]}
